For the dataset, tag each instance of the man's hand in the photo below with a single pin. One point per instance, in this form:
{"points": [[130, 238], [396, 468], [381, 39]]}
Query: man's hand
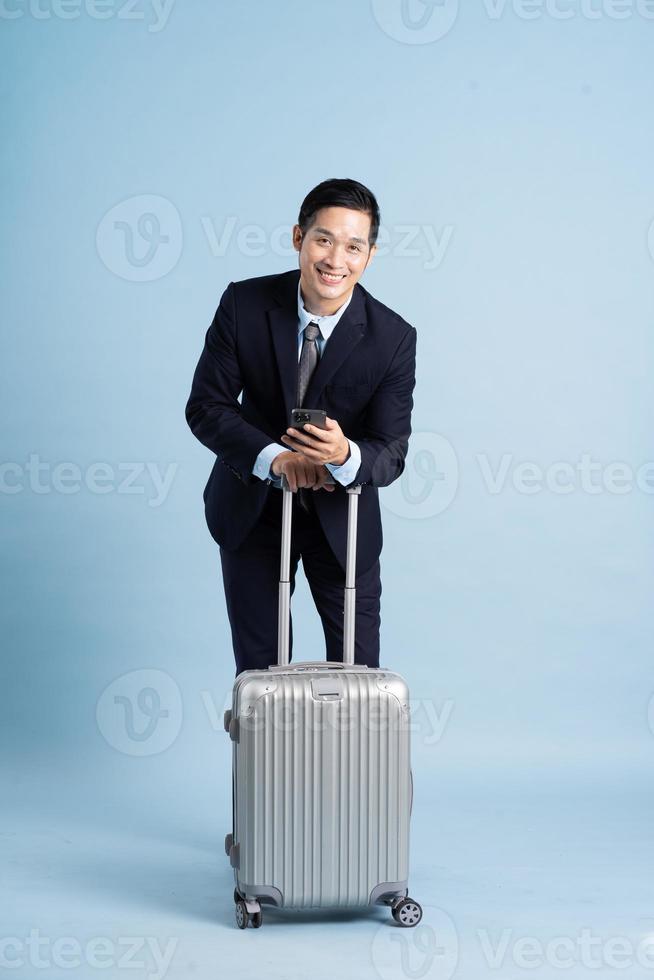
{"points": [[301, 472], [320, 445]]}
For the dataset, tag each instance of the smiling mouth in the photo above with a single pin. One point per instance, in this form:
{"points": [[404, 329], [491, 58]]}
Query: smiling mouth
{"points": [[329, 278]]}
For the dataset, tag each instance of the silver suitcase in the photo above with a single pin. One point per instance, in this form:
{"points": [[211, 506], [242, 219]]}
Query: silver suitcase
{"points": [[321, 778]]}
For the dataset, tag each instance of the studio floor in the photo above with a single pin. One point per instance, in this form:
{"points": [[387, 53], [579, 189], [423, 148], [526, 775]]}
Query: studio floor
{"points": [[543, 872]]}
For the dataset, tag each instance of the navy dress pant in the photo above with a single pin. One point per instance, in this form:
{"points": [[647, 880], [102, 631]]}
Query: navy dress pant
{"points": [[251, 582]]}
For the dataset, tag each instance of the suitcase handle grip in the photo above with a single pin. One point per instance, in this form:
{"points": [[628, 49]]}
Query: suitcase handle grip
{"points": [[316, 665], [330, 481]]}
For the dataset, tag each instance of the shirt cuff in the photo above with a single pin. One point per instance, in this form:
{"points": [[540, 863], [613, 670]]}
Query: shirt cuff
{"points": [[263, 462], [347, 471]]}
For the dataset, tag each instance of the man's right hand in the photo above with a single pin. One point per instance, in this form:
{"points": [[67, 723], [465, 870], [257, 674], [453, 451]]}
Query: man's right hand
{"points": [[300, 472]]}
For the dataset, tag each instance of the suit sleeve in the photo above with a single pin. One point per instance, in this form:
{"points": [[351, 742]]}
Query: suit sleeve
{"points": [[387, 420], [213, 411]]}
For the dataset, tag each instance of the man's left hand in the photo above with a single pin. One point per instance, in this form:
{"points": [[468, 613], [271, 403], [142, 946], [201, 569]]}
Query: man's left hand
{"points": [[320, 445]]}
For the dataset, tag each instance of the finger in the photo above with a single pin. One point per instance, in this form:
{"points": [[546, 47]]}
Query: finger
{"points": [[290, 478], [302, 474], [299, 436], [309, 474], [325, 448], [296, 433], [317, 433], [294, 441], [325, 476], [313, 454]]}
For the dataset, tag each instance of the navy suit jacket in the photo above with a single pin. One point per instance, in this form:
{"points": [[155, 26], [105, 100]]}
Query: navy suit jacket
{"points": [[244, 388]]}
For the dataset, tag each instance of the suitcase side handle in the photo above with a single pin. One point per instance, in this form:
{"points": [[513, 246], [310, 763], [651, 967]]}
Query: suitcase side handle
{"points": [[284, 605]]}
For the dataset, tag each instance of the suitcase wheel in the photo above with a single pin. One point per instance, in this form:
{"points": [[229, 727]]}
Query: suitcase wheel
{"points": [[242, 915], [229, 840], [227, 717], [407, 912]]}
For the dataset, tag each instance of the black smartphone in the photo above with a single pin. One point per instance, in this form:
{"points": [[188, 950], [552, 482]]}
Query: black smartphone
{"points": [[314, 416]]}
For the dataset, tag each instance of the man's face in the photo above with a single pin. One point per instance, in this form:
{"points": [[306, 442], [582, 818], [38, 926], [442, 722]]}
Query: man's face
{"points": [[334, 252]]}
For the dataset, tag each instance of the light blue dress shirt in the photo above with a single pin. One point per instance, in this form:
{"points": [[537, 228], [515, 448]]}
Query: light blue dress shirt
{"points": [[345, 473]]}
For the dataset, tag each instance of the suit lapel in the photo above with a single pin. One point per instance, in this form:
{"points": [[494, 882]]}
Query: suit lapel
{"points": [[346, 335], [284, 327]]}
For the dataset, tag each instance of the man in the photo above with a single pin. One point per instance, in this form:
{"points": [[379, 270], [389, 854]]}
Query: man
{"points": [[313, 338]]}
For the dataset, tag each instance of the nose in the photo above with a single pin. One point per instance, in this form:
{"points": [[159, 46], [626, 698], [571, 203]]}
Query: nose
{"points": [[336, 259]]}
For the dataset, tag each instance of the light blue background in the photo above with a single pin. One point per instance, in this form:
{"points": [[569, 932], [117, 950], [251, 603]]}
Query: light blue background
{"points": [[521, 620]]}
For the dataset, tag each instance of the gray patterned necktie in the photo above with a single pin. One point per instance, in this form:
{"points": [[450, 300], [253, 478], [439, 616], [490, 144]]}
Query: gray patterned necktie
{"points": [[308, 361]]}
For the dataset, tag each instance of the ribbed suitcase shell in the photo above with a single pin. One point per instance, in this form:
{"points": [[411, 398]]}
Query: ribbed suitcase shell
{"points": [[322, 785]]}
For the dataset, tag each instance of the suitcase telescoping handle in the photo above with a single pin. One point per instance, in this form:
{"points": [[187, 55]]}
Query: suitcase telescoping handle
{"points": [[283, 637]]}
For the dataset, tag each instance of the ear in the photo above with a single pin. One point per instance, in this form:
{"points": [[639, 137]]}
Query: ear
{"points": [[373, 249], [297, 237]]}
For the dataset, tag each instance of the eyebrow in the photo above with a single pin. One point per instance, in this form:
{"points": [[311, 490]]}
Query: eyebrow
{"points": [[325, 231]]}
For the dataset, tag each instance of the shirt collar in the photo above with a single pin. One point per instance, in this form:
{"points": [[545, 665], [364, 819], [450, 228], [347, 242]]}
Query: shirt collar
{"points": [[326, 323]]}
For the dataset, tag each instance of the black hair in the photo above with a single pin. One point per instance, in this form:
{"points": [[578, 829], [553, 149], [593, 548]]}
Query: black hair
{"points": [[337, 193]]}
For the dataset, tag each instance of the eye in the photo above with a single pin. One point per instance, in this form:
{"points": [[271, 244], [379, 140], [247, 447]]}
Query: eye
{"points": [[355, 248]]}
